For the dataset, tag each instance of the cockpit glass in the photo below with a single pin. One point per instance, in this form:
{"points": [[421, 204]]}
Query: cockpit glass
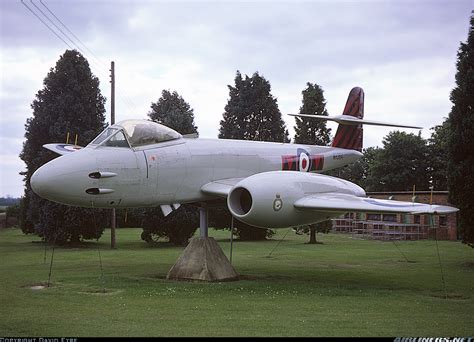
{"points": [[141, 132], [104, 135], [118, 140], [135, 133]]}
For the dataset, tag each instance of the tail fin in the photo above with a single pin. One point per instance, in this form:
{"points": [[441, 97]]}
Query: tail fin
{"points": [[350, 136]]}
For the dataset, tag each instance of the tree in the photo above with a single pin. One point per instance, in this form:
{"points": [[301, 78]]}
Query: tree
{"points": [[359, 172], [69, 102], [313, 229], [12, 214], [172, 111], [252, 113], [313, 132], [402, 163], [461, 139], [438, 155], [179, 226], [308, 131]]}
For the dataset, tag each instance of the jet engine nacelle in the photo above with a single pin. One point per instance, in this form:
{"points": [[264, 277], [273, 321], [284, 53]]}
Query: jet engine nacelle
{"points": [[266, 199]]}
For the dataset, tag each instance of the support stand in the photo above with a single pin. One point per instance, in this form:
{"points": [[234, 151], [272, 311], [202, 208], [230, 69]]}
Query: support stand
{"points": [[203, 259], [203, 222]]}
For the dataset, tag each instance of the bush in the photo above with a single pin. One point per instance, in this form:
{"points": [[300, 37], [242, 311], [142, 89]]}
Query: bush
{"points": [[179, 226]]}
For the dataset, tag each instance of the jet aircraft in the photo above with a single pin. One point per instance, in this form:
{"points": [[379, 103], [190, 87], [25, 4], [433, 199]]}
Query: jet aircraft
{"points": [[139, 163]]}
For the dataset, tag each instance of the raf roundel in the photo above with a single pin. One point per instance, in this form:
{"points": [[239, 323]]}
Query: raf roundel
{"points": [[67, 148], [277, 203], [304, 162]]}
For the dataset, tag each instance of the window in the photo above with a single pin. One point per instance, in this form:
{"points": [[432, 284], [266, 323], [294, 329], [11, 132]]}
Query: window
{"points": [[443, 220], [431, 221], [416, 219], [373, 217], [135, 133], [104, 135], [142, 132], [118, 140], [390, 217]]}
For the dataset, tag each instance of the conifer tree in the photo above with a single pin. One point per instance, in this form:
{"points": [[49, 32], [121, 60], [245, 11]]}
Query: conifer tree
{"points": [[69, 102], [252, 112], [308, 131], [438, 152], [172, 111], [461, 139]]}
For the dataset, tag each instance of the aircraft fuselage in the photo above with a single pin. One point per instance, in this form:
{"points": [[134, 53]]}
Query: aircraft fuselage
{"points": [[173, 171]]}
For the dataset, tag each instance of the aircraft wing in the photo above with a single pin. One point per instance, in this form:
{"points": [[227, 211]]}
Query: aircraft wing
{"points": [[343, 203], [221, 187], [62, 148]]}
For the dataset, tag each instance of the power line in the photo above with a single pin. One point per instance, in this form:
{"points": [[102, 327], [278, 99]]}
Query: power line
{"points": [[60, 30], [64, 25], [98, 60], [57, 27], [45, 24], [98, 63]]}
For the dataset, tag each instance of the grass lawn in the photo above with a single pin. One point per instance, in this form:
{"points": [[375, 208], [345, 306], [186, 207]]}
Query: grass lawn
{"points": [[344, 287]]}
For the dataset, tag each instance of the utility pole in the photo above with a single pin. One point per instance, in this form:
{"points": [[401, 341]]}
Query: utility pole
{"points": [[112, 121]]}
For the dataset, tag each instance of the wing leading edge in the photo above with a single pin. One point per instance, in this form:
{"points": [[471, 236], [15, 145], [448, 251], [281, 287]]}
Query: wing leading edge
{"points": [[220, 188], [62, 148], [336, 202]]}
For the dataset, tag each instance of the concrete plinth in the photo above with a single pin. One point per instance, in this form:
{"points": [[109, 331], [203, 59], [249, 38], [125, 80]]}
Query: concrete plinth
{"points": [[203, 259]]}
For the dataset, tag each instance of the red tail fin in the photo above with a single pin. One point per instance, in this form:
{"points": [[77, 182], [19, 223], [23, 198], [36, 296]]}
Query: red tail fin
{"points": [[350, 136]]}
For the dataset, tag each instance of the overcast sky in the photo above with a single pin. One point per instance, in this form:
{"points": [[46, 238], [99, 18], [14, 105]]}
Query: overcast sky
{"points": [[402, 53]]}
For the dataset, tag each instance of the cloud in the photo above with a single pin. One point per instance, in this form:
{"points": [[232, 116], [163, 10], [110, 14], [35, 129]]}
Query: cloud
{"points": [[402, 53]]}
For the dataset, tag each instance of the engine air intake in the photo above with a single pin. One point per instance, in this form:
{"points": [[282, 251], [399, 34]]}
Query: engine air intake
{"points": [[240, 201]]}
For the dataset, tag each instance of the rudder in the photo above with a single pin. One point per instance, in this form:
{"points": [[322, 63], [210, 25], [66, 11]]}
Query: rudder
{"points": [[350, 136]]}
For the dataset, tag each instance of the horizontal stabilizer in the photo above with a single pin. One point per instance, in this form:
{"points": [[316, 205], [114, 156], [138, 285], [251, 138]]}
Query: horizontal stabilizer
{"points": [[62, 148], [343, 203], [351, 120]]}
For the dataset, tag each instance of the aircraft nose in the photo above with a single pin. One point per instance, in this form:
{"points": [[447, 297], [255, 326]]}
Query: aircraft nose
{"points": [[40, 181], [65, 179]]}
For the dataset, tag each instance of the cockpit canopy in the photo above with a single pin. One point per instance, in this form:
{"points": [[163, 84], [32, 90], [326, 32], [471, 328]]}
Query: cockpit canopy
{"points": [[135, 133]]}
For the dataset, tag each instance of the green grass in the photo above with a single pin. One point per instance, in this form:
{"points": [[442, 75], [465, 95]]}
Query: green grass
{"points": [[345, 287]]}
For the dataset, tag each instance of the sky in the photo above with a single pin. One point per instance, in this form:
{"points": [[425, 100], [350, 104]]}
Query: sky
{"points": [[402, 53]]}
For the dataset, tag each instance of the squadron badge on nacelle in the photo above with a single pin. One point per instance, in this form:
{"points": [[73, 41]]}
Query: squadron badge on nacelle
{"points": [[302, 161], [277, 203]]}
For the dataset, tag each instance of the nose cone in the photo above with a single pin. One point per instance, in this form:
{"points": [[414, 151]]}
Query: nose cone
{"points": [[48, 181], [65, 179], [40, 181]]}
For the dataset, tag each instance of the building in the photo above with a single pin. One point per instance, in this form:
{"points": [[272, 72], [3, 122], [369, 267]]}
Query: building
{"points": [[389, 226]]}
